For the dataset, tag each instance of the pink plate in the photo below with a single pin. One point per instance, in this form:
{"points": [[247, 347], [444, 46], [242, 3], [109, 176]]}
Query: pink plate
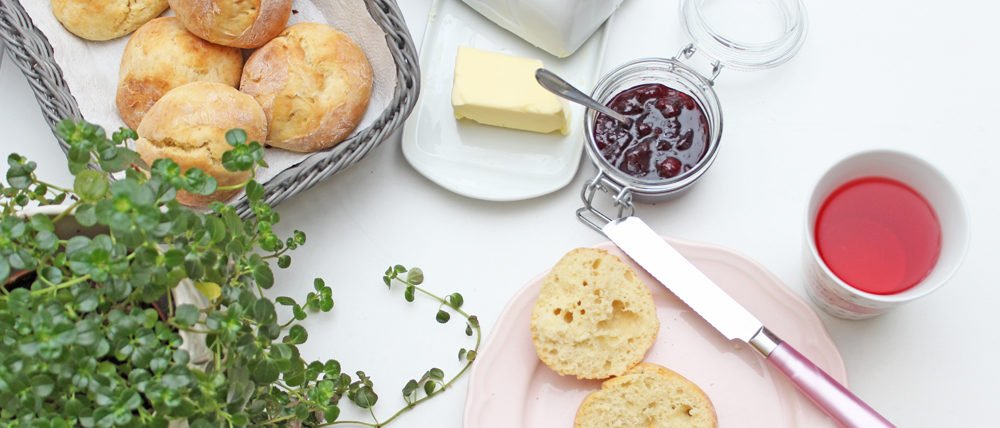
{"points": [[510, 387]]}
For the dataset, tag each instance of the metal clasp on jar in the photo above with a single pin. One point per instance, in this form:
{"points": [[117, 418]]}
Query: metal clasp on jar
{"points": [[590, 215], [688, 51]]}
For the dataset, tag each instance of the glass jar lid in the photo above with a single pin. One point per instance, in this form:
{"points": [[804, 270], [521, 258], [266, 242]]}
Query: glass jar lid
{"points": [[745, 34]]}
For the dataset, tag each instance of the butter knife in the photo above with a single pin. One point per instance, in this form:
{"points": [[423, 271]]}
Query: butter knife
{"points": [[731, 319]]}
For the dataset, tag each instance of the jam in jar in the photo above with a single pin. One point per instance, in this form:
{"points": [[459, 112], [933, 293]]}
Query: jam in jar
{"points": [[668, 135]]}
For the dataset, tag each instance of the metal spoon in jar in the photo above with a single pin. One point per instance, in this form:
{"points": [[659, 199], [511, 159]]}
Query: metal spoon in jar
{"points": [[562, 88]]}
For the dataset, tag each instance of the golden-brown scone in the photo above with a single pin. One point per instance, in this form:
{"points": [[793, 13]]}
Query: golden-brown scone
{"points": [[237, 23], [105, 19], [593, 317], [313, 82], [189, 125], [647, 396], [161, 56]]}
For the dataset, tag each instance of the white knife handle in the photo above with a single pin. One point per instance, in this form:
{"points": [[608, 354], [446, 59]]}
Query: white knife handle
{"points": [[834, 399]]}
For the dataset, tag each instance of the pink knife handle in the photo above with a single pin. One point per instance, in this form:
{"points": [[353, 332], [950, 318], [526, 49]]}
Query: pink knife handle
{"points": [[840, 404]]}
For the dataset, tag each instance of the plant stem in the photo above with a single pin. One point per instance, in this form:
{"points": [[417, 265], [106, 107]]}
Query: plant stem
{"points": [[366, 424], [238, 185], [66, 211], [189, 330], [66, 284], [281, 419], [51, 186], [445, 386]]}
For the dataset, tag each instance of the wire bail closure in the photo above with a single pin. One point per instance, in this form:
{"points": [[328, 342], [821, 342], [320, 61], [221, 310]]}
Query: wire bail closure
{"points": [[591, 215], [688, 51]]}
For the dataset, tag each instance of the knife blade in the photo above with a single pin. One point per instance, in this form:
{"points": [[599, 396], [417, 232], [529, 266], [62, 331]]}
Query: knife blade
{"points": [[734, 322], [688, 283]]}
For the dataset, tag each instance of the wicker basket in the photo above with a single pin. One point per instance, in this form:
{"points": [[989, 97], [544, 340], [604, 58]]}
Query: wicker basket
{"points": [[30, 50]]}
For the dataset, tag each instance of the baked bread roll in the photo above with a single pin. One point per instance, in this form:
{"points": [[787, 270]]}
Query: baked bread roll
{"points": [[313, 82], [161, 56], [647, 396], [237, 23], [593, 318], [189, 125], [105, 19]]}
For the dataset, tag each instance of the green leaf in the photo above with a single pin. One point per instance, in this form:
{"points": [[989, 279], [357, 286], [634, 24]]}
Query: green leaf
{"points": [[442, 316], [468, 330], [265, 372], [471, 356], [87, 300], [19, 173], [263, 312], [42, 386], [46, 240], [236, 137], [173, 257], [285, 301], [461, 354], [296, 335], [365, 397], [86, 215], [21, 260], [118, 159], [455, 300], [298, 313], [216, 229], [429, 388], [243, 157], [263, 276], [4, 270], [198, 182], [41, 222], [409, 293], [326, 304], [186, 315], [331, 413], [240, 419], [436, 374], [284, 261], [208, 289], [255, 191], [415, 276], [281, 352], [319, 284], [331, 369], [90, 185], [165, 169], [409, 389]]}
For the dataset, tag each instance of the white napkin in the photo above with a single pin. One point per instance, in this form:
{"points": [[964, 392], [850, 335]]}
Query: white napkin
{"points": [[91, 68]]}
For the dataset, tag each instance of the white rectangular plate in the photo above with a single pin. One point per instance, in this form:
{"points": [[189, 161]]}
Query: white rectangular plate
{"points": [[486, 162]]}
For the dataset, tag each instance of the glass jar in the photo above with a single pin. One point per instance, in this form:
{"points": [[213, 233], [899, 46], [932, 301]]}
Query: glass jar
{"points": [[777, 31]]}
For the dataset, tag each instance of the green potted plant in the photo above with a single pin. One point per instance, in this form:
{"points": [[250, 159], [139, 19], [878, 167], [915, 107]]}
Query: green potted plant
{"points": [[121, 307]]}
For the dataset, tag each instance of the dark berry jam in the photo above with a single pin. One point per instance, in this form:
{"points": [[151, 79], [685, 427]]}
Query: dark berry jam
{"points": [[668, 135]]}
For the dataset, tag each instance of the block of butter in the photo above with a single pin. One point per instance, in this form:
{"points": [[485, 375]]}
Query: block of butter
{"points": [[500, 90]]}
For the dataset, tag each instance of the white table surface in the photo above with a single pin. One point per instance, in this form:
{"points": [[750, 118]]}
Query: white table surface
{"points": [[913, 76]]}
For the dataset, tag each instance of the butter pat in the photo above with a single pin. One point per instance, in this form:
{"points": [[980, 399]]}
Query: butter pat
{"points": [[500, 90]]}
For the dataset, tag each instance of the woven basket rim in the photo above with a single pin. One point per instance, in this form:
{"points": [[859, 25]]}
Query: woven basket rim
{"points": [[31, 51]]}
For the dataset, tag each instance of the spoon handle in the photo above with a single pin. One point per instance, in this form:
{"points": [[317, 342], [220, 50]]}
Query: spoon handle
{"points": [[562, 88]]}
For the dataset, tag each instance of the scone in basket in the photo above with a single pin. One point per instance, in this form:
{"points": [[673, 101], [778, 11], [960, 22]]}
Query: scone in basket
{"points": [[30, 49]]}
